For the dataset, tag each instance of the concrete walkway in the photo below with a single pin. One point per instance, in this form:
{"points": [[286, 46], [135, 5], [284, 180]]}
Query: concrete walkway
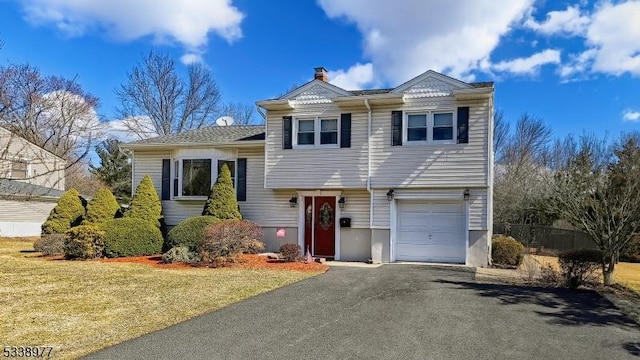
{"points": [[398, 312]]}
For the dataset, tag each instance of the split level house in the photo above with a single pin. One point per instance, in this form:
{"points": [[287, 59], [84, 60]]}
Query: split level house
{"points": [[386, 175], [31, 181]]}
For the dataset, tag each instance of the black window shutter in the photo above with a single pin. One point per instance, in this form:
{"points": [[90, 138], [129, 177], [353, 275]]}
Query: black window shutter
{"points": [[396, 128], [241, 191], [463, 125], [287, 134], [345, 130], [166, 179]]}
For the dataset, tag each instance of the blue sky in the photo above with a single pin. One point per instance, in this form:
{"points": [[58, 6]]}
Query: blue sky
{"points": [[574, 64]]}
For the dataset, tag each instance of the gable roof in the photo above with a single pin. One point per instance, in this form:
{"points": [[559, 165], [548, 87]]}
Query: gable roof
{"points": [[22, 189], [211, 135], [8, 132]]}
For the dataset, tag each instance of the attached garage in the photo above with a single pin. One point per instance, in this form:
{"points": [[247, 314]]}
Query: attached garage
{"points": [[430, 231]]}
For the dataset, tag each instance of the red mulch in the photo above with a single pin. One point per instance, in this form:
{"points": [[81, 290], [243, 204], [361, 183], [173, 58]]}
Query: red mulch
{"points": [[247, 261]]}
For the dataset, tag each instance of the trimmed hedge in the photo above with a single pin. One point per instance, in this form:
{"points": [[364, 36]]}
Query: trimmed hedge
{"points": [[131, 237], [189, 232], [68, 213], [222, 203], [146, 204], [506, 250], [84, 242], [579, 266], [102, 208]]}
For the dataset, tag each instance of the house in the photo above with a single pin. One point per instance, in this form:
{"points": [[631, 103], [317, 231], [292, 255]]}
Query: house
{"points": [[402, 174], [31, 181]]}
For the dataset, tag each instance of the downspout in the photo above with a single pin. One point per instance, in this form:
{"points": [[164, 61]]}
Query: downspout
{"points": [[366, 103], [264, 117]]}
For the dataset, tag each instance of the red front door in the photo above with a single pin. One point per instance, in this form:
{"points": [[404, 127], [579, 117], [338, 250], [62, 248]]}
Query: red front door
{"points": [[324, 216], [320, 225]]}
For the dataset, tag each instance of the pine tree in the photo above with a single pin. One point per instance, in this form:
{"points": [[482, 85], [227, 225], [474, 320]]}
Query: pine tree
{"points": [[222, 203], [102, 208], [146, 204], [114, 169], [67, 213]]}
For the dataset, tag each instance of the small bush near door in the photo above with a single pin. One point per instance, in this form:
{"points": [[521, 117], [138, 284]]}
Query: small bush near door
{"points": [[507, 251], [579, 266], [131, 237], [224, 242], [50, 245], [290, 251]]}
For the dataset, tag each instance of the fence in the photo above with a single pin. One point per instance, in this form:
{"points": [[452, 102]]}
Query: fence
{"points": [[536, 236]]}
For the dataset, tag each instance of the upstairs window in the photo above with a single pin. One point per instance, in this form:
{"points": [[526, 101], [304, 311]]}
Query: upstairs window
{"points": [[19, 169], [429, 127], [316, 132]]}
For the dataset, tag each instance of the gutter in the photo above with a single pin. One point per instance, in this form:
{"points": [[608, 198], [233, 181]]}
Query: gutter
{"points": [[366, 103]]}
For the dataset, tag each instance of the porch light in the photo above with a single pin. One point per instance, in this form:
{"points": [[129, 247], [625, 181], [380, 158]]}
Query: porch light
{"points": [[390, 194], [466, 194], [293, 201], [341, 202]]}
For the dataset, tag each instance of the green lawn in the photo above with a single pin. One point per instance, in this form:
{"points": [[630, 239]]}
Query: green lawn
{"points": [[78, 307]]}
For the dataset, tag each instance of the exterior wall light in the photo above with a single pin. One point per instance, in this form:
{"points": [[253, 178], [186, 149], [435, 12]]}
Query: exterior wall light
{"points": [[293, 201], [341, 202], [390, 194], [466, 194]]}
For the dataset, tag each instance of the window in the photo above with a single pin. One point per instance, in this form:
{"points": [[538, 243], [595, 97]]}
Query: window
{"points": [[443, 126], [306, 132], [196, 177], [429, 127], [328, 131], [316, 132], [19, 169]]}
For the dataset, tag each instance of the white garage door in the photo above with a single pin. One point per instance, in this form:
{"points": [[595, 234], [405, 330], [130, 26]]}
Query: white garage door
{"points": [[430, 231]]}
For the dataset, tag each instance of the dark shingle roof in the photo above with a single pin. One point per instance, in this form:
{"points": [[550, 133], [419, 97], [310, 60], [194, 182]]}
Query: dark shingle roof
{"points": [[370, 92], [22, 189], [482, 84], [209, 135]]}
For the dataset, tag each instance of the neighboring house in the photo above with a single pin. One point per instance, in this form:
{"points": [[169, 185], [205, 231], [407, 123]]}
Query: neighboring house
{"points": [[401, 174], [31, 181]]}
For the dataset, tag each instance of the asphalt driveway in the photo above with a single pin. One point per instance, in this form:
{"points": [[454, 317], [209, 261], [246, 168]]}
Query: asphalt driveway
{"points": [[398, 312]]}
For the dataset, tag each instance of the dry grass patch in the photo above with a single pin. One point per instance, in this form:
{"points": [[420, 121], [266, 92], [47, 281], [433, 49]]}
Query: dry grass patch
{"points": [[81, 306]]}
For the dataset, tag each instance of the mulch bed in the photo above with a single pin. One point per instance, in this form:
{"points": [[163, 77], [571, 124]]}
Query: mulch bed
{"points": [[247, 261]]}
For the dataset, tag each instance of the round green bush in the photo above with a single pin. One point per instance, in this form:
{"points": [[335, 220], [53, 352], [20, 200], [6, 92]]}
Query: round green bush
{"points": [[131, 237], [189, 232], [506, 250], [68, 213], [102, 208], [84, 242]]}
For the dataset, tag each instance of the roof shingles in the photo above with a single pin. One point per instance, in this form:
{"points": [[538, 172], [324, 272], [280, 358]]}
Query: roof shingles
{"points": [[209, 135]]}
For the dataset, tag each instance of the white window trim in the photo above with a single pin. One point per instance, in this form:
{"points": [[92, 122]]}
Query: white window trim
{"points": [[316, 132], [214, 175], [429, 141]]}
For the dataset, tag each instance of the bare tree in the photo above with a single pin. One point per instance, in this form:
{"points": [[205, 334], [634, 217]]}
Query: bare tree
{"points": [[243, 114], [598, 192], [501, 130], [156, 97]]}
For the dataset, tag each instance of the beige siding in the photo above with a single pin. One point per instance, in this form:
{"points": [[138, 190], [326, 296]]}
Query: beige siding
{"points": [[430, 165], [25, 211], [43, 168], [381, 209], [317, 168], [149, 163], [478, 210], [356, 207]]}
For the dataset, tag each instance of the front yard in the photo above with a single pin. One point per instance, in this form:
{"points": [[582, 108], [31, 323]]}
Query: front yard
{"points": [[78, 307]]}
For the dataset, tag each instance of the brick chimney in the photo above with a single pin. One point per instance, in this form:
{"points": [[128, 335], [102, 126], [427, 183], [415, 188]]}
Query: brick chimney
{"points": [[321, 74]]}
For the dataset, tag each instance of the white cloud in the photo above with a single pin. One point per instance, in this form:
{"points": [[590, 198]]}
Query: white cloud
{"points": [[187, 22], [191, 58], [570, 21], [405, 38], [528, 65], [131, 128], [633, 116], [578, 64], [357, 77], [614, 33]]}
